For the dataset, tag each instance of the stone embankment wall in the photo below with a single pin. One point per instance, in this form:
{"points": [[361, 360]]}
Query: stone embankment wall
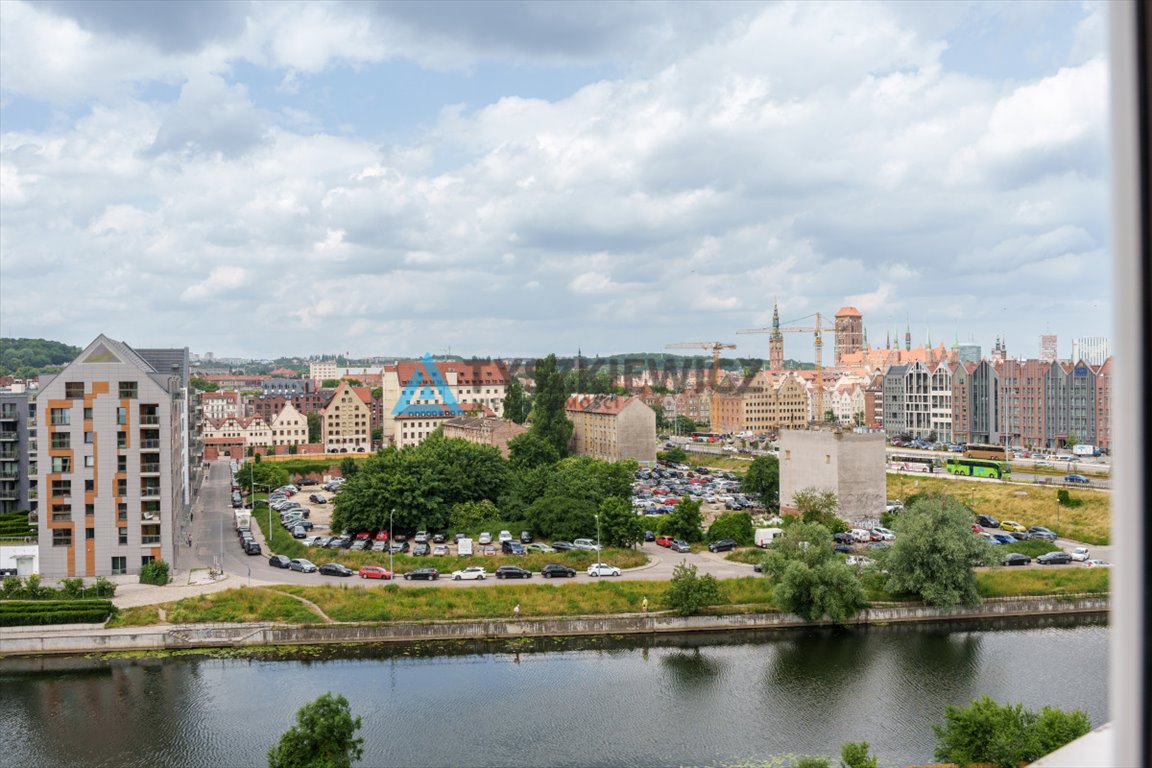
{"points": [[77, 639]]}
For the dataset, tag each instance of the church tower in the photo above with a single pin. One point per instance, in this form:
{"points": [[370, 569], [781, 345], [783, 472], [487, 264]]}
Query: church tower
{"points": [[776, 342], [849, 332]]}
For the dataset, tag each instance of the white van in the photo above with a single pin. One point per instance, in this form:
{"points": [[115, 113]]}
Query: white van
{"points": [[464, 547], [765, 536], [860, 535]]}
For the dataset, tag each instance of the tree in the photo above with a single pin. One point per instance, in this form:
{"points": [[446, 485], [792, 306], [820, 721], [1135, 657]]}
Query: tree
{"points": [[687, 592], [530, 450], [323, 737], [154, 572], [733, 525], [819, 506], [674, 455], [811, 581], [763, 478], [1005, 735], [619, 524], [855, 754], [1071, 439], [314, 435], [203, 385], [935, 551], [349, 468], [516, 405], [268, 474], [658, 409], [684, 425], [330, 383], [549, 418], [683, 522], [473, 515]]}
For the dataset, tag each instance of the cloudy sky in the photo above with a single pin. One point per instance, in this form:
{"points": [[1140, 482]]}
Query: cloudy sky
{"points": [[514, 178]]}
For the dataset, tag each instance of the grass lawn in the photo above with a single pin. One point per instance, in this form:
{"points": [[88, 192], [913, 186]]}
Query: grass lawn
{"points": [[1042, 580], [1026, 504]]}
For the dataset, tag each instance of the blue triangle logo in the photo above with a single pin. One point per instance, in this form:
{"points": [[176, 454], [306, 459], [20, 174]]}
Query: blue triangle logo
{"points": [[427, 384]]}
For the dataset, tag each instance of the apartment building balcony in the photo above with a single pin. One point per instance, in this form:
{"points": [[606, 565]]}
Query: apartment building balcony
{"points": [[149, 539], [9, 434], [150, 419], [9, 473], [152, 468], [8, 494], [150, 491], [149, 445], [9, 453]]}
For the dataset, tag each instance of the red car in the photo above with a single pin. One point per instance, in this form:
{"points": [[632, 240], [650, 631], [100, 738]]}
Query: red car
{"points": [[375, 572], [382, 536], [977, 528], [664, 541]]}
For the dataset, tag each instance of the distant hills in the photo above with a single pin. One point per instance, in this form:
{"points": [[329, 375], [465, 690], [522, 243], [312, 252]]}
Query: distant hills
{"points": [[29, 357]]}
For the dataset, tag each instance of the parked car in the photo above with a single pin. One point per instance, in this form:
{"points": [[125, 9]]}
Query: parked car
{"points": [[440, 549], [1054, 558], [977, 528], [562, 546], [302, 565], [525, 537], [844, 548], [504, 536], [649, 536], [439, 538], [379, 546], [680, 546], [279, 561], [316, 498], [420, 549], [335, 569], [664, 541], [423, 574], [1097, 564], [361, 545], [843, 538], [471, 573], [1040, 532], [585, 544], [512, 548], [1080, 554], [396, 547], [338, 542], [1013, 526], [883, 533], [1005, 538], [298, 532], [251, 547], [988, 521], [1015, 558], [538, 547], [512, 572], [484, 538], [723, 545], [603, 569], [553, 570], [1077, 479], [421, 537], [375, 572]]}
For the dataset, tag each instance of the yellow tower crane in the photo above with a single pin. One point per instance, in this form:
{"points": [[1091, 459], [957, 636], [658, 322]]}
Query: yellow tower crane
{"points": [[715, 346], [818, 330]]}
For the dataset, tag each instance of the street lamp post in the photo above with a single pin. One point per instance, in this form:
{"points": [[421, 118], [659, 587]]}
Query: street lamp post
{"points": [[390, 540], [598, 557]]}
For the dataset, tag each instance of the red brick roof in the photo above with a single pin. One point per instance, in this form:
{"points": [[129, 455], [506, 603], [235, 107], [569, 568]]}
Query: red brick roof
{"points": [[848, 312], [606, 404], [468, 372]]}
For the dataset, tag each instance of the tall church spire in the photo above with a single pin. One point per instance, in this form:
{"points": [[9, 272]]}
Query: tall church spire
{"points": [[776, 341]]}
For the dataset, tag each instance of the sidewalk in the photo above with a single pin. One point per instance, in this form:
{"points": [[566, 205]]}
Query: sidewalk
{"points": [[183, 584]]}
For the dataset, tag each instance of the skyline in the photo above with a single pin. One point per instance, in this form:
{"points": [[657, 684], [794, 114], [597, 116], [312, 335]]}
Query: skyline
{"points": [[513, 179]]}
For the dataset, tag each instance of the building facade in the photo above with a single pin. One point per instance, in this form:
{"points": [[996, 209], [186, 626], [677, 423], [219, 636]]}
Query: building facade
{"points": [[851, 465], [484, 430], [346, 422], [1093, 350], [17, 455], [612, 427], [111, 463]]}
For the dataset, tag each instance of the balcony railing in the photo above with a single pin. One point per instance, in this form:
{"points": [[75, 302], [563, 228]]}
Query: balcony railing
{"points": [[9, 474], [149, 492], [149, 418], [149, 539], [149, 444], [8, 434]]}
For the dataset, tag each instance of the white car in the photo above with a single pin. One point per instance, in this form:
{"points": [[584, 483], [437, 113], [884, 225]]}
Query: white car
{"points": [[884, 533], [1080, 554], [860, 535], [603, 569], [440, 549], [585, 544], [1097, 564], [504, 536], [484, 538], [471, 573]]}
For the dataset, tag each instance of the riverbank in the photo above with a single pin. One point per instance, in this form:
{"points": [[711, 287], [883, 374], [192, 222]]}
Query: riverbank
{"points": [[88, 639]]}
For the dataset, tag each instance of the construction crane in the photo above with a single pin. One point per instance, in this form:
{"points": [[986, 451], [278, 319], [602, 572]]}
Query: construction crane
{"points": [[715, 346], [818, 330]]}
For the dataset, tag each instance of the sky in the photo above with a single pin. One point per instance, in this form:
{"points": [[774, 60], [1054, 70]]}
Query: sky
{"points": [[515, 178]]}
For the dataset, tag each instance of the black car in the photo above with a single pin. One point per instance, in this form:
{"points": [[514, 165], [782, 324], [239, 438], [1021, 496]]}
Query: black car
{"points": [[279, 561], [251, 547], [553, 570], [843, 538], [723, 545], [563, 546], [842, 548], [439, 538], [423, 574], [1054, 558], [987, 521], [759, 568], [1040, 532], [649, 536], [525, 537], [512, 572], [512, 548], [396, 547], [335, 569], [420, 549], [1015, 558], [339, 542]]}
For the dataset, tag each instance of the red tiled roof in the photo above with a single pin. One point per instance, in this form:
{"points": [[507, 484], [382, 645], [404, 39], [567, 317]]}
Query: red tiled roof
{"points": [[606, 404], [848, 312], [468, 372]]}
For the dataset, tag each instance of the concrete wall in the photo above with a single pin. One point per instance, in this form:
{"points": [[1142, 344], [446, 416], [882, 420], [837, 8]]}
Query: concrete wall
{"points": [[87, 638], [11, 554], [849, 464]]}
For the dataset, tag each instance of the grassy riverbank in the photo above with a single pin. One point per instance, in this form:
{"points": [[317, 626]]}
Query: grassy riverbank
{"points": [[352, 602]]}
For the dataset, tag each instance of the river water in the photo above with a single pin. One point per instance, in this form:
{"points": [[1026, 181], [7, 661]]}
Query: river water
{"points": [[699, 700]]}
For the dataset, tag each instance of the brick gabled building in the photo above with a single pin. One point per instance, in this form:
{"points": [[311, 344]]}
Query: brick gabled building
{"points": [[346, 422], [612, 427], [484, 430]]}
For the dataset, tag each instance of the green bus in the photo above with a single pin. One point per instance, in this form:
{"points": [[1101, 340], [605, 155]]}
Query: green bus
{"points": [[978, 467]]}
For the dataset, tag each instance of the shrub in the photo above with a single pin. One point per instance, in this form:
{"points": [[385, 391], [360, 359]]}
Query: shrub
{"points": [[734, 525], [154, 572], [1065, 500], [688, 593], [854, 754], [40, 612], [1005, 735], [72, 588]]}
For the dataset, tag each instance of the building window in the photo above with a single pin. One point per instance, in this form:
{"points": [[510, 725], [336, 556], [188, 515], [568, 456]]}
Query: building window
{"points": [[122, 510], [145, 559], [119, 565], [150, 534], [61, 439], [89, 438], [89, 534], [89, 461], [61, 537], [121, 415], [61, 464], [74, 390], [121, 439], [122, 487], [60, 416], [121, 463], [122, 535], [127, 390], [88, 413]]}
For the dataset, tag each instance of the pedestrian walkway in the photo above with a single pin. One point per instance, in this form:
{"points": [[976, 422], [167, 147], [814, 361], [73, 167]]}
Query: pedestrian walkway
{"points": [[182, 585]]}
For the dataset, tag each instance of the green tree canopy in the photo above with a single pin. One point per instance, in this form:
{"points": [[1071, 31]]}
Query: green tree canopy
{"points": [[763, 478], [935, 552], [620, 526], [324, 736], [1005, 735], [733, 525], [688, 592], [516, 405], [674, 455], [203, 385], [819, 506], [263, 473], [313, 427], [569, 494], [530, 450], [29, 357], [812, 581], [684, 521], [549, 419]]}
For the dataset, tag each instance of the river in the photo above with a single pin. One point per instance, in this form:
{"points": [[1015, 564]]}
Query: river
{"points": [[700, 700]]}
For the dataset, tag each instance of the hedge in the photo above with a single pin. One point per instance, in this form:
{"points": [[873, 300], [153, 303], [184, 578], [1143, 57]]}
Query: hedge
{"points": [[34, 613]]}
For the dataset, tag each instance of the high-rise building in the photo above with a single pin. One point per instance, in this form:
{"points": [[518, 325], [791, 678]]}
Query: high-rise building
{"points": [[1048, 347], [1090, 349], [113, 460], [17, 464]]}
